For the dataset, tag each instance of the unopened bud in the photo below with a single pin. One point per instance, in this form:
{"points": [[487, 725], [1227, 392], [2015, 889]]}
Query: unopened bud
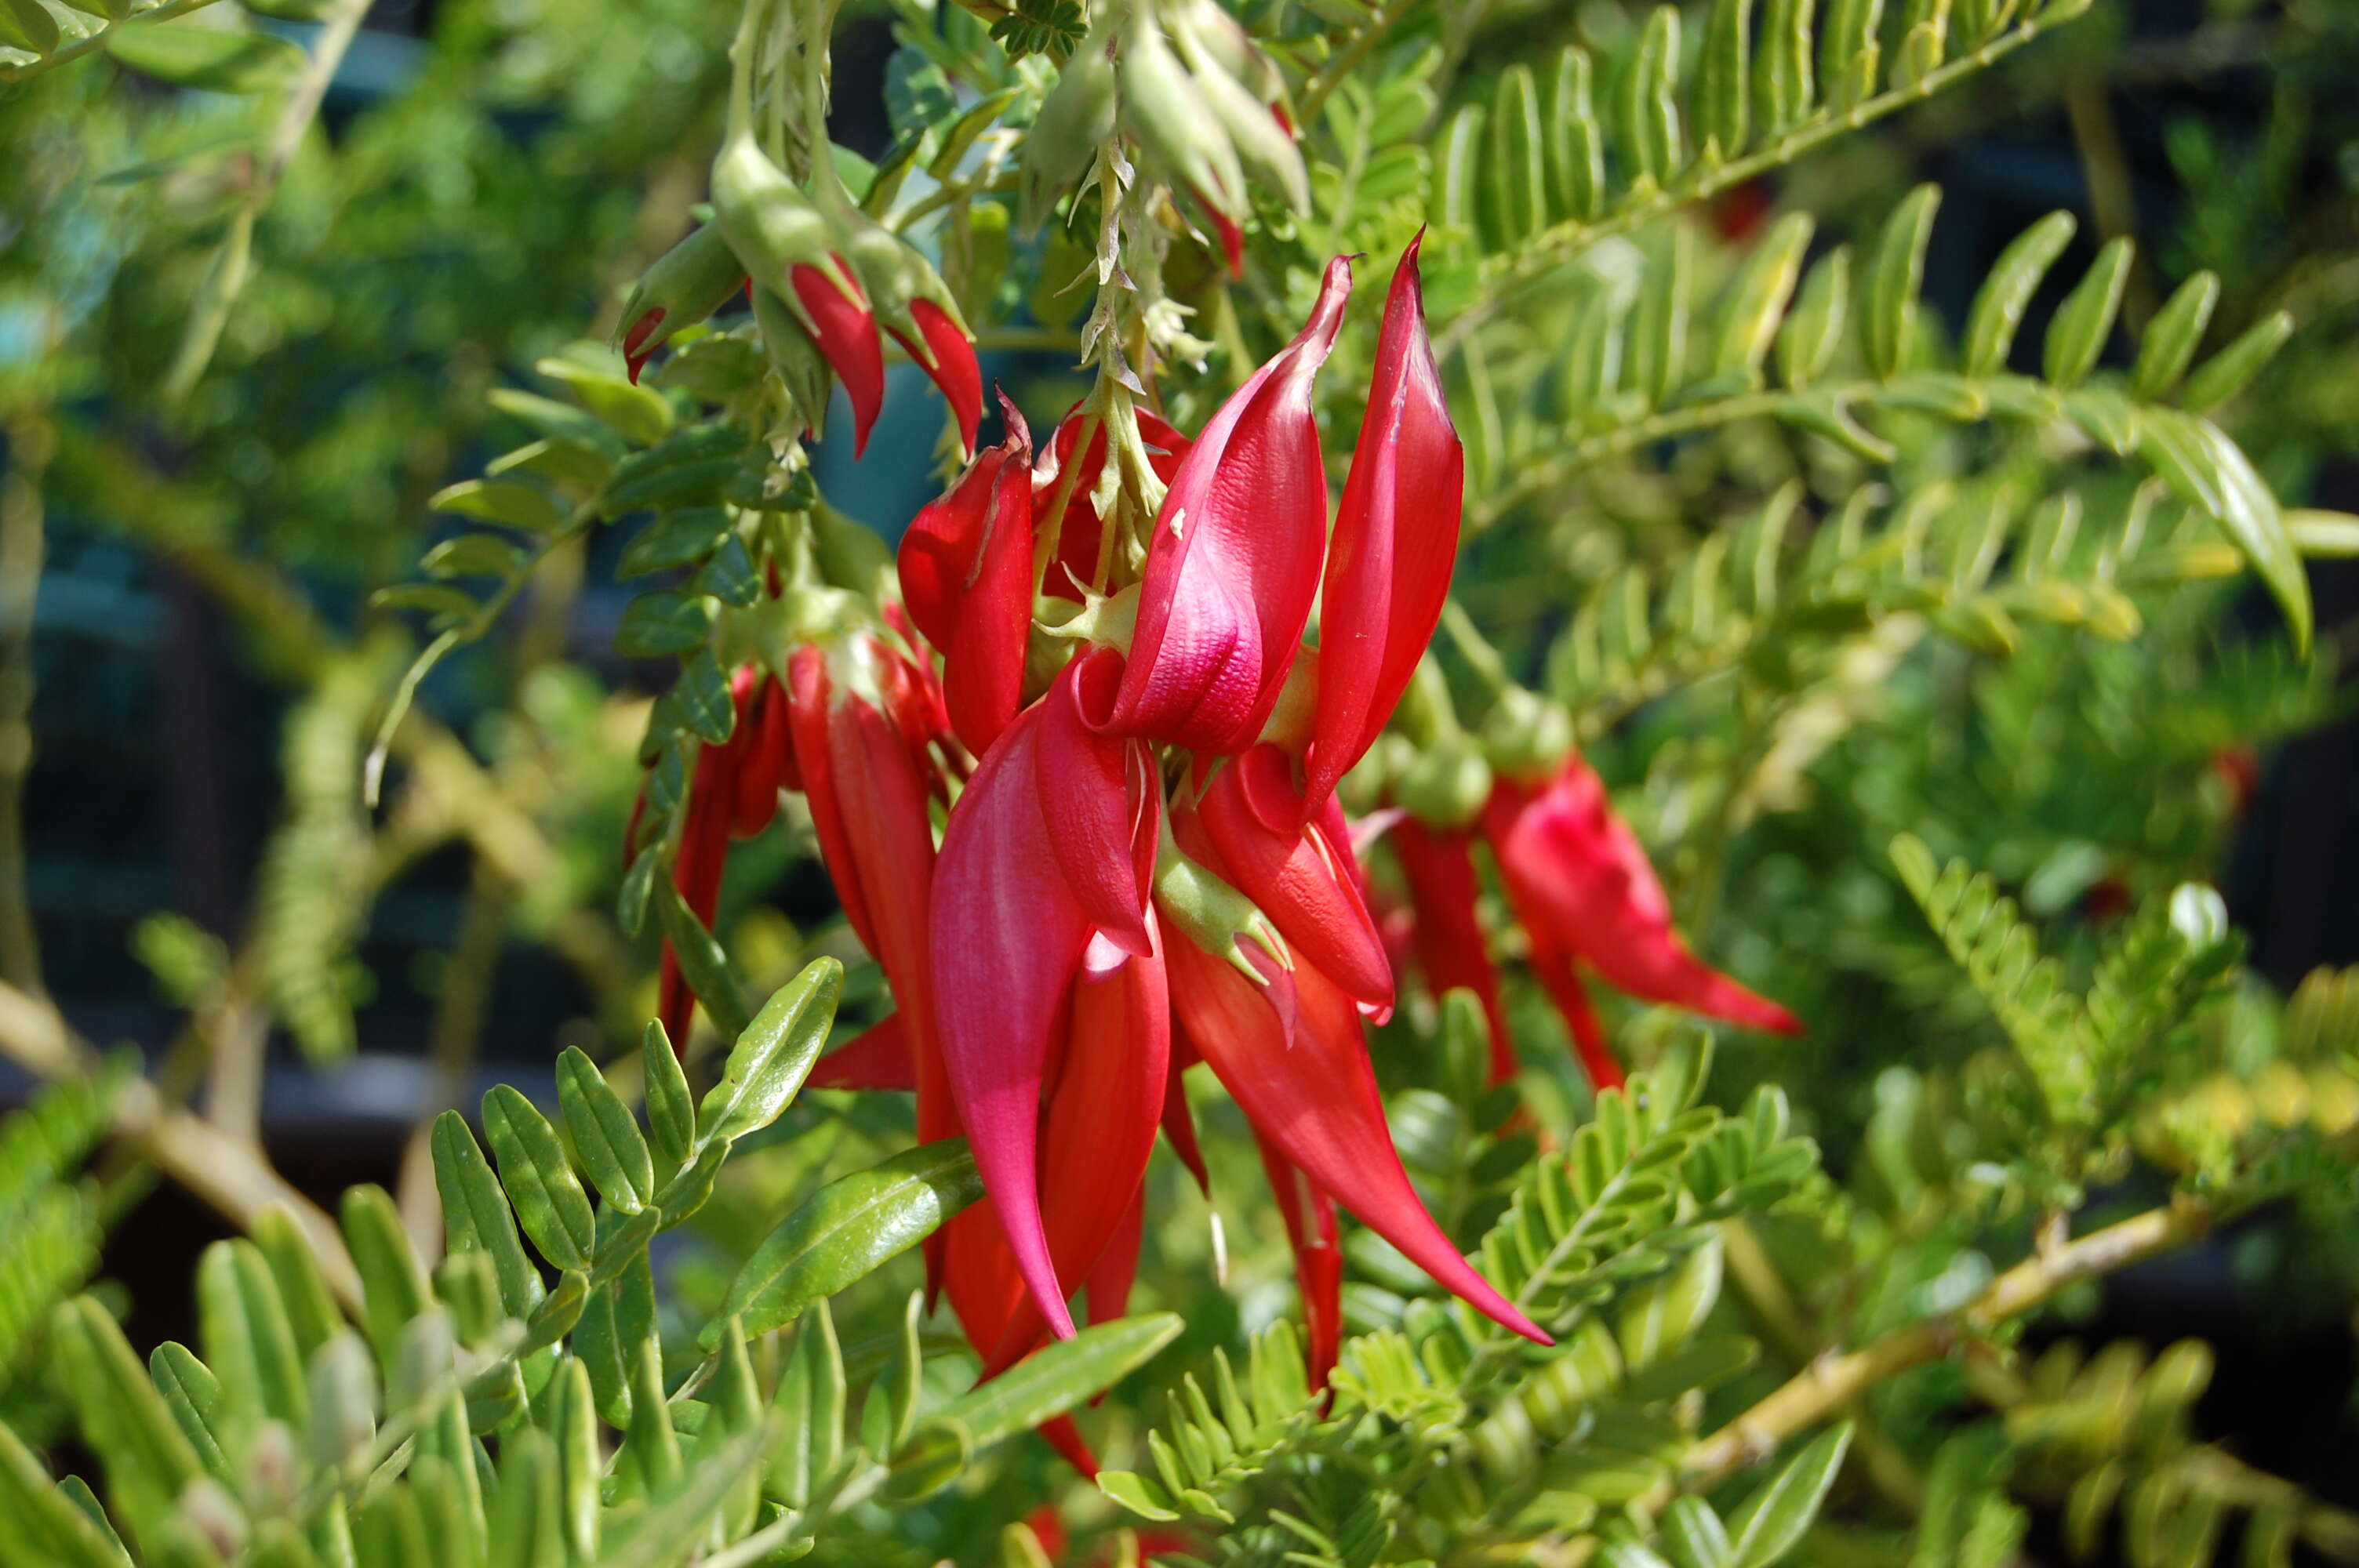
{"points": [[1175, 126], [687, 283], [1526, 735], [1074, 121], [1264, 151], [771, 224], [894, 277], [1210, 913], [1220, 35], [801, 366], [1446, 787]]}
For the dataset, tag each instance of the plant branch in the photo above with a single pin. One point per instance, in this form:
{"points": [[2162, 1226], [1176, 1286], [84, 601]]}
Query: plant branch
{"points": [[97, 40], [1829, 1384]]}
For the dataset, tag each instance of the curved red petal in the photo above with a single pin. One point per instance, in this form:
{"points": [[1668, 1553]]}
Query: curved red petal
{"points": [[1448, 939], [1308, 889], [1310, 1091], [937, 557], [1309, 1217], [875, 1058], [1233, 565], [847, 339], [953, 366], [1095, 790], [1004, 927], [983, 664], [1396, 539]]}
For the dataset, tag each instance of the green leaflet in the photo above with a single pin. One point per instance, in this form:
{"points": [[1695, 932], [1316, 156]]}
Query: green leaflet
{"points": [[2228, 372], [774, 1054], [2005, 295], [701, 959], [845, 1230], [1770, 1522], [1895, 273], [2170, 338], [2211, 472], [672, 1114], [603, 1133], [1757, 299], [1516, 158], [540, 1183], [1814, 328], [393, 1282], [477, 1217], [1060, 1377], [1723, 94], [2086, 317]]}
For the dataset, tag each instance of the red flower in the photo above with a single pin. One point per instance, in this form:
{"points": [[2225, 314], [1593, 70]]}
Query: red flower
{"points": [[1080, 533], [1583, 889], [837, 317], [1040, 904], [1396, 536], [1234, 563], [966, 576], [1447, 935]]}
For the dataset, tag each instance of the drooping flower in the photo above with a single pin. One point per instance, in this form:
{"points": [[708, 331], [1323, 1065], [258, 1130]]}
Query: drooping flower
{"points": [[1041, 893], [966, 576], [1234, 563], [1447, 934], [684, 285], [1303, 876], [1581, 886], [1396, 536], [1293, 1055]]}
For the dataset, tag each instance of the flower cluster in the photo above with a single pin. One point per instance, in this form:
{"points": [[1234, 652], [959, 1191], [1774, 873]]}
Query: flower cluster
{"points": [[1076, 785], [825, 280]]}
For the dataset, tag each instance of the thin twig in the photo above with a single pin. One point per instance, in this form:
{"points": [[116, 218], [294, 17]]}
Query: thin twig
{"points": [[1832, 1382]]}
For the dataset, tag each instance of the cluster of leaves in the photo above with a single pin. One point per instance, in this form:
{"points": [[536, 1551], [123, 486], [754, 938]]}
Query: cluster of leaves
{"points": [[456, 1418]]}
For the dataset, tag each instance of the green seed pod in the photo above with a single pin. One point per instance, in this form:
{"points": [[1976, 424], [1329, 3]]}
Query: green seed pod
{"points": [[1526, 736]]}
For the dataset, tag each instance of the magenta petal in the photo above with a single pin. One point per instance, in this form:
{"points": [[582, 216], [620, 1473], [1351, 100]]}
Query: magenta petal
{"points": [[1233, 567], [1396, 539], [1309, 1090], [1005, 930], [1094, 786]]}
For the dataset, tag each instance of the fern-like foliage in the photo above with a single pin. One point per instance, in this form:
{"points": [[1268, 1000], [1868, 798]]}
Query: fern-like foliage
{"points": [[50, 1227]]}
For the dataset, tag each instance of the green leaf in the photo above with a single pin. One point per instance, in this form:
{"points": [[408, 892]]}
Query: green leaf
{"points": [[1757, 299], [1894, 276], [1457, 171], [1850, 51], [702, 697], [702, 961], [444, 603], [561, 422], [811, 1396], [846, 1230], [579, 1460], [2077, 336], [891, 1411], [729, 575], [540, 1183], [212, 60], [1517, 158], [1814, 328], [692, 468], [1646, 102], [393, 1282], [2211, 472], [1782, 88], [663, 625], [473, 555], [672, 1114], [1771, 1521], [193, 1394], [248, 1343], [1575, 143], [511, 501], [637, 413], [1694, 1534], [559, 1311], [2227, 372], [1723, 92], [32, 19], [1141, 1497], [343, 1394], [1659, 329], [123, 1420], [475, 1214], [638, 887], [936, 1455], [773, 1056], [1660, 1316], [605, 1134], [49, 1529], [2169, 344], [1064, 1375], [2006, 293], [311, 1310], [649, 1442]]}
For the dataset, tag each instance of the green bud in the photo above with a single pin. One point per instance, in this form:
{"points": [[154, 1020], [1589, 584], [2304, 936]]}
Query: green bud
{"points": [[1176, 127], [1264, 150], [1210, 913], [770, 223], [1219, 35], [1074, 121], [687, 284], [891, 272], [1445, 787], [793, 354], [1526, 735]]}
